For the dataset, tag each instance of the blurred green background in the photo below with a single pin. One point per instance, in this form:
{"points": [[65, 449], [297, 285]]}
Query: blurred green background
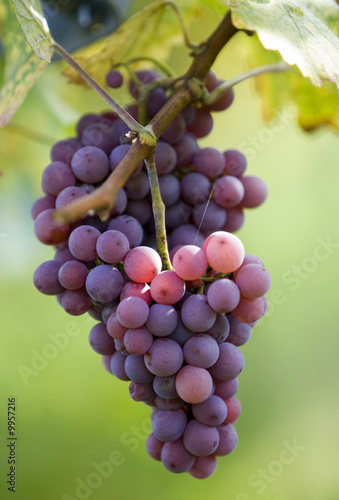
{"points": [[72, 415]]}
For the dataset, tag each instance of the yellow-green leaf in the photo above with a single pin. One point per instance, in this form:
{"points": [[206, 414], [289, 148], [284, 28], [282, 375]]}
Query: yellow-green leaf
{"points": [[152, 32], [22, 66], [218, 6], [34, 25], [315, 106], [302, 31]]}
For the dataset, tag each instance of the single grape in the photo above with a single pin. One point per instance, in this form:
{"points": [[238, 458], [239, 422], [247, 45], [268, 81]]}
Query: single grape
{"points": [[219, 331], [201, 350], [82, 242], [253, 281], [56, 177], [165, 158], [195, 188], [203, 467], [114, 79], [165, 387], [100, 341], [41, 204], [137, 370], [235, 218], [117, 366], [169, 425], [104, 284], [250, 310], [164, 357], [112, 246], [255, 192], [236, 162], [193, 384], [223, 295], [141, 290], [45, 278], [114, 327], [154, 446], [228, 439], [228, 191], [209, 162], [212, 411], [101, 135], [190, 262], [225, 252], [199, 439], [176, 458], [132, 312], [64, 150], [47, 230], [141, 392], [209, 217], [142, 264], [202, 125], [68, 195], [229, 364], [233, 410], [72, 275], [162, 320], [226, 389], [138, 340], [169, 189], [185, 149], [196, 314], [75, 302]]}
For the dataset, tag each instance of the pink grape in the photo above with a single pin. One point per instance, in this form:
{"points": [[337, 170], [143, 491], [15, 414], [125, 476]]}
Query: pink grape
{"points": [[167, 288], [132, 312], [253, 281], [193, 384], [190, 262], [225, 253], [250, 310], [142, 264]]}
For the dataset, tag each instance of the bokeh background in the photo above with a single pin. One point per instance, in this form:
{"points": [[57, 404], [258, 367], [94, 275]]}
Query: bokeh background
{"points": [[72, 416]]}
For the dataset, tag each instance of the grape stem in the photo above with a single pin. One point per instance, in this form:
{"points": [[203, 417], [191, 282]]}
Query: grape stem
{"points": [[225, 86], [103, 197], [123, 114], [158, 212]]}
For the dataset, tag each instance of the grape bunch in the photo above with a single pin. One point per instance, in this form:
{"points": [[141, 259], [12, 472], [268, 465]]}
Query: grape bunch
{"points": [[173, 334]]}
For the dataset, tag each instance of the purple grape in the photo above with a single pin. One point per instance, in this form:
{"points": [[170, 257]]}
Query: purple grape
{"points": [[223, 295], [220, 329], [165, 158], [56, 177], [203, 467], [212, 411], [100, 341], [117, 366], [132, 312], [229, 364], [164, 357], [114, 328], [209, 217], [41, 204], [202, 125], [138, 340], [114, 79], [154, 447], [199, 439], [141, 210], [187, 234], [75, 302], [68, 195], [87, 120], [108, 310], [209, 162], [175, 130], [64, 255], [168, 404], [253, 281], [236, 162], [141, 392], [137, 187], [137, 370], [101, 135], [64, 150], [181, 334], [90, 164], [196, 314], [255, 192], [144, 76], [169, 425], [45, 278], [82, 242], [201, 350], [130, 227], [228, 440], [240, 333], [104, 284], [164, 387], [47, 230], [235, 219], [176, 458], [72, 275], [226, 390], [157, 99], [228, 191], [162, 320], [112, 246], [169, 189], [195, 188], [118, 154], [177, 214], [185, 150]]}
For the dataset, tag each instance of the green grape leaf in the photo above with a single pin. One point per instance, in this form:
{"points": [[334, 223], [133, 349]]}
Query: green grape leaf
{"points": [[218, 6], [302, 31], [35, 27], [152, 32], [315, 107], [21, 66]]}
